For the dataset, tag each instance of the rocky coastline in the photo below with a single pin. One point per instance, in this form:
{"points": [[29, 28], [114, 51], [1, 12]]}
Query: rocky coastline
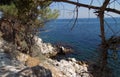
{"points": [[70, 67]]}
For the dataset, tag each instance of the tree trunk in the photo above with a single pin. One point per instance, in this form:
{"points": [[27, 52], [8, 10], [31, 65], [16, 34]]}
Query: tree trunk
{"points": [[104, 48]]}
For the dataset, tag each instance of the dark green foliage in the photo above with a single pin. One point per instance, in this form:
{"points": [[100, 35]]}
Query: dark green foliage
{"points": [[5, 2], [22, 20], [9, 10]]}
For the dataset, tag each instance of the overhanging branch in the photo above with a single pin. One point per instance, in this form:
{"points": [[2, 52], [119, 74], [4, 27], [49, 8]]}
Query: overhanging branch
{"points": [[88, 6]]}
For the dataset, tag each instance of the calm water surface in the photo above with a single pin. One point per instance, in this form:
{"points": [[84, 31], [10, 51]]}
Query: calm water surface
{"points": [[84, 37]]}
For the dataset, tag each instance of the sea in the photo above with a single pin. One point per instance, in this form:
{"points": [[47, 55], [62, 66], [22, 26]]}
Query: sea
{"points": [[84, 37]]}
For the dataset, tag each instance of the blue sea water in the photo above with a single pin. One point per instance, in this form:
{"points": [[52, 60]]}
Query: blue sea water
{"points": [[84, 37]]}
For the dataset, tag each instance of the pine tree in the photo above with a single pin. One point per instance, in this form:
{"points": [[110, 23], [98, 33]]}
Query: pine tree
{"points": [[22, 19]]}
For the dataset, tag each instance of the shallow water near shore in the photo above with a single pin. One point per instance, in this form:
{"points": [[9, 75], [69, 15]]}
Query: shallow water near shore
{"points": [[84, 37]]}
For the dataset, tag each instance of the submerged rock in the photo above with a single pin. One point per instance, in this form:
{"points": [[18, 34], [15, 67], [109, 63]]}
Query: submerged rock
{"points": [[63, 48]]}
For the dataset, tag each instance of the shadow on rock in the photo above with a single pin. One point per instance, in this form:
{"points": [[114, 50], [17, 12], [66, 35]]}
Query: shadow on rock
{"points": [[36, 71]]}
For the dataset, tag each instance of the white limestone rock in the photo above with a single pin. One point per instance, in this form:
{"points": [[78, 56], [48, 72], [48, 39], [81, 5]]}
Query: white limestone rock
{"points": [[44, 48], [71, 68]]}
